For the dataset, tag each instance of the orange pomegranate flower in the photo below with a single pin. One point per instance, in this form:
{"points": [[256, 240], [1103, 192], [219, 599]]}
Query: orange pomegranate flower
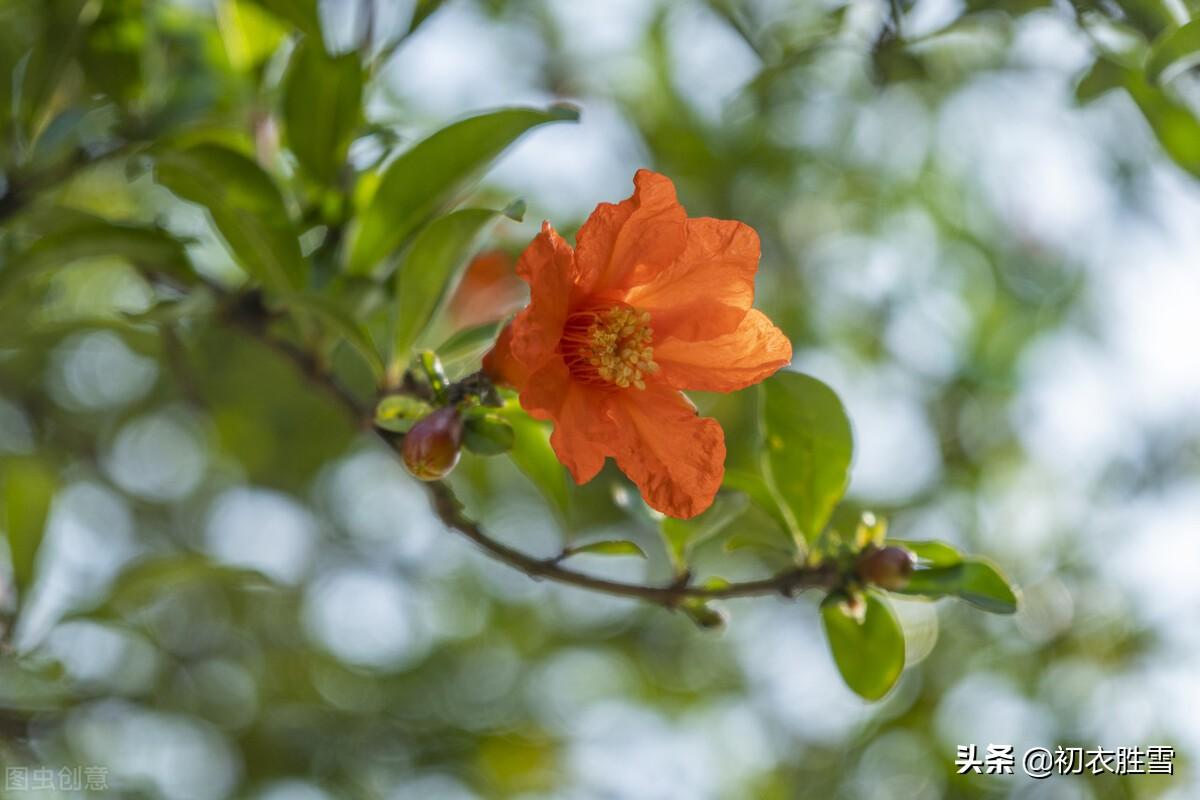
{"points": [[648, 303]]}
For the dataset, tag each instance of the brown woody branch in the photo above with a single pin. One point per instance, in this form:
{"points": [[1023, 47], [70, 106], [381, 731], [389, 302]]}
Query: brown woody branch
{"points": [[449, 510]]}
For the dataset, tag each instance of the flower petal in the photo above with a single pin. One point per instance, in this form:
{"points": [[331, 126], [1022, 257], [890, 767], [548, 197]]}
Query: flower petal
{"points": [[548, 266], [583, 424], [630, 242], [499, 364], [675, 457], [727, 363], [709, 288]]}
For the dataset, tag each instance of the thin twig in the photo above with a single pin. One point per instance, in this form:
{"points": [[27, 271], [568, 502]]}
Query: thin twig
{"points": [[449, 510]]}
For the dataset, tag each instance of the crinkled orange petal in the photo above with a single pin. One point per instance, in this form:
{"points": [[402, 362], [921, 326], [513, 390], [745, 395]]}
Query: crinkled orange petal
{"points": [[630, 242], [500, 365], [583, 426], [709, 288], [676, 458], [727, 363], [548, 266]]}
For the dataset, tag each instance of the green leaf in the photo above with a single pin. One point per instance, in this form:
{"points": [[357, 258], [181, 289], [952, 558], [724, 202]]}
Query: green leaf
{"points": [[682, 535], [933, 553], [1174, 125], [423, 11], [534, 456], [246, 207], [469, 345], [322, 107], [614, 547], [486, 433], [250, 35], [83, 236], [303, 14], [431, 268], [352, 331], [29, 487], [1176, 50], [808, 446], [981, 584], [869, 654], [755, 487], [1101, 78], [975, 580], [424, 179]]}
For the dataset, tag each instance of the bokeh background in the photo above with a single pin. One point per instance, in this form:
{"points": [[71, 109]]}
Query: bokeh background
{"points": [[997, 271]]}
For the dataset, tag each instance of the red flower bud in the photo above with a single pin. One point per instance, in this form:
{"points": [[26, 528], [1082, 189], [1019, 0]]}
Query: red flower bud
{"points": [[431, 447], [888, 567]]}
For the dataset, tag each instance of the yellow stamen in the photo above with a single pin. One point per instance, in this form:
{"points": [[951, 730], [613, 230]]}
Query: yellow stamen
{"points": [[613, 346]]}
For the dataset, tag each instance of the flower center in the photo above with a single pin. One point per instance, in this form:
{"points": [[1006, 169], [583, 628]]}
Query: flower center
{"points": [[609, 346]]}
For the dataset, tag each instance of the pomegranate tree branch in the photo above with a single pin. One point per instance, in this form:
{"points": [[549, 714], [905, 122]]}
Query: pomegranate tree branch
{"points": [[449, 510]]}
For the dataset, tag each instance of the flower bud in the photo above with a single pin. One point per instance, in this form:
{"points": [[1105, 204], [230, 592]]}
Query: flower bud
{"points": [[431, 448], [886, 567]]}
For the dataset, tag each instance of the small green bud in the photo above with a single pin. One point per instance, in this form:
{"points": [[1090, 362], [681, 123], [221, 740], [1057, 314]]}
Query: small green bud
{"points": [[432, 447], [885, 567]]}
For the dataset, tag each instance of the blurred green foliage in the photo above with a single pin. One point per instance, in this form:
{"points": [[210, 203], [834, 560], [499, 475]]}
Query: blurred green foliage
{"points": [[220, 585]]}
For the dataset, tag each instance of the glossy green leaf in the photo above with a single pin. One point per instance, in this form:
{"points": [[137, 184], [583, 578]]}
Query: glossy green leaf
{"points": [[487, 433], [341, 322], [246, 207], [322, 107], [1101, 78], [981, 584], [807, 449], [83, 236], [29, 486], [1174, 125], [614, 547], [754, 486], [932, 553], [1150, 17], [430, 270], [681, 535], [534, 456], [975, 580], [1175, 50], [869, 653], [469, 345], [426, 178]]}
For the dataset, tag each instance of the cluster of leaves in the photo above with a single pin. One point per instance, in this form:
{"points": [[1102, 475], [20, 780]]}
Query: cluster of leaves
{"points": [[349, 257], [807, 449], [1144, 49]]}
